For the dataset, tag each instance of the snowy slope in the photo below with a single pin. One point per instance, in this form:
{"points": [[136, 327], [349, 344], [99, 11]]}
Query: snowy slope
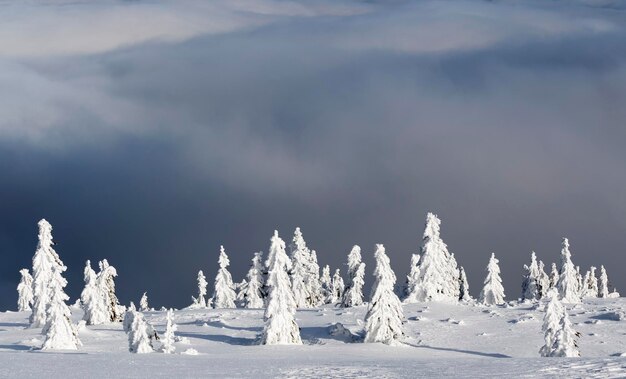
{"points": [[443, 341]]}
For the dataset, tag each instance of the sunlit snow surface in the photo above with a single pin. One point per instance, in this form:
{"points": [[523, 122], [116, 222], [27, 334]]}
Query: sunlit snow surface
{"points": [[442, 341]]}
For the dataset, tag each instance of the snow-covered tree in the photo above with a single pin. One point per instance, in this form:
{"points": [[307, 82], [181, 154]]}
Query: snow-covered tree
{"points": [[544, 280], [280, 324], [353, 294], [305, 275], [59, 331], [554, 276], [568, 280], [299, 271], [200, 302], [224, 295], [326, 282], [139, 341], [336, 288], [531, 287], [412, 280], [168, 337], [93, 299], [129, 316], [25, 291], [312, 281], [591, 283], [579, 281], [603, 283], [559, 336], [45, 261], [143, 303], [551, 322], [493, 292], [383, 321], [252, 291], [464, 286], [106, 283], [438, 278]]}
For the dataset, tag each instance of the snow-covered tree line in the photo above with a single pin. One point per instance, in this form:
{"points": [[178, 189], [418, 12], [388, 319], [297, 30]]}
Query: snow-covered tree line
{"points": [[570, 285]]}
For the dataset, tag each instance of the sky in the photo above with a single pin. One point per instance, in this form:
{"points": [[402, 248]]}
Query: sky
{"points": [[150, 133]]}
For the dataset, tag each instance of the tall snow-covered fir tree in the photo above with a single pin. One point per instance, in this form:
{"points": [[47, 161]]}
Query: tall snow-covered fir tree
{"points": [[45, 261], [591, 283], [336, 289], [200, 302], [551, 322], [544, 280], [326, 282], [559, 336], [567, 284], [412, 280], [492, 292], [305, 275], [554, 276], [438, 278], [93, 299], [312, 281], [383, 321], [299, 270], [60, 333], [580, 281], [143, 303], [531, 287], [139, 341], [464, 294], [224, 295], [603, 283], [25, 291], [167, 342], [252, 291], [106, 282], [280, 324], [353, 294]]}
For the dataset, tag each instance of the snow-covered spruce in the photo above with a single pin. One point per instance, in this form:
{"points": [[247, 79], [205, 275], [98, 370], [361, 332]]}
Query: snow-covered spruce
{"points": [[559, 336], [464, 294], [45, 261], [326, 282], [200, 302], [312, 281], [410, 289], [336, 288], [167, 342], [25, 291], [129, 316], [280, 324], [383, 321], [579, 281], [531, 287], [603, 283], [93, 299], [554, 276], [60, 333], [106, 284], [143, 303], [567, 284], [492, 292], [252, 291], [591, 284], [353, 294], [304, 274], [438, 278], [139, 341], [224, 294], [544, 281]]}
